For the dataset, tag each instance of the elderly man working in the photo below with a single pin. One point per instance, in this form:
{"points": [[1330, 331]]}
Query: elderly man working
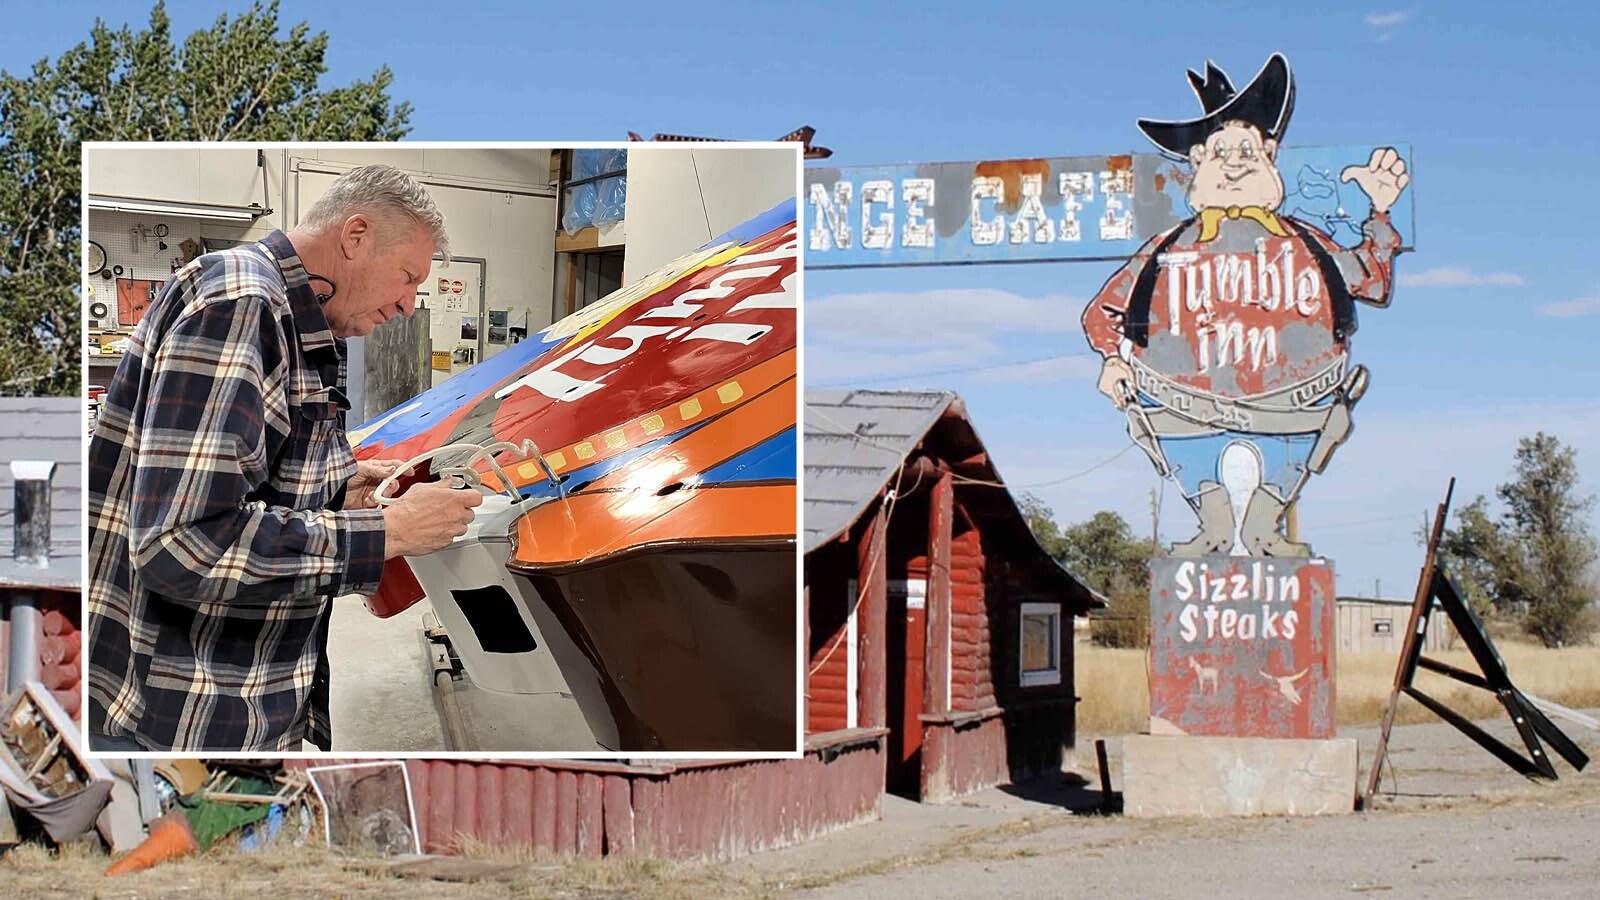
{"points": [[225, 506]]}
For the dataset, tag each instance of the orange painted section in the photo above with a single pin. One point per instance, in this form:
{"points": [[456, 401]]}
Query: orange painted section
{"points": [[592, 525]]}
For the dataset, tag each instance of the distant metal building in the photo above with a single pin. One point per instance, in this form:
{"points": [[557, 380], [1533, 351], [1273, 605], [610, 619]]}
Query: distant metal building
{"points": [[41, 544], [1375, 625]]}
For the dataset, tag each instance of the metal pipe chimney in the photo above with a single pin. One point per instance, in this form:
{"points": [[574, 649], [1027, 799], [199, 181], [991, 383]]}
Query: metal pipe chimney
{"points": [[30, 543], [31, 512]]}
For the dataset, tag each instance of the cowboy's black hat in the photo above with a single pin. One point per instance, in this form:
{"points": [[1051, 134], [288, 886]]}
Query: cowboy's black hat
{"points": [[1266, 102]]}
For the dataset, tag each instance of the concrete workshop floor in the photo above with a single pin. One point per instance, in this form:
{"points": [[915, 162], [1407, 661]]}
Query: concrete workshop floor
{"points": [[382, 695]]}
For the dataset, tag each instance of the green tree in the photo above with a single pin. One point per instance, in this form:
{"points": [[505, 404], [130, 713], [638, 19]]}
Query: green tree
{"points": [[1041, 519], [238, 80], [1545, 518], [1538, 555], [1481, 559], [1110, 559]]}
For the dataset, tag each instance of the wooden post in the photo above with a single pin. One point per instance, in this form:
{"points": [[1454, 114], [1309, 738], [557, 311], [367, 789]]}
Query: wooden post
{"points": [[1421, 604], [805, 665], [872, 623], [941, 518]]}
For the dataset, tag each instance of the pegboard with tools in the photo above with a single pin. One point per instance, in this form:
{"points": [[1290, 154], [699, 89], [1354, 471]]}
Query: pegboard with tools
{"points": [[141, 253]]}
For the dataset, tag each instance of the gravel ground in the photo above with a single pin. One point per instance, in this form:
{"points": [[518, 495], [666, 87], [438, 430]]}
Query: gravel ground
{"points": [[1451, 822]]}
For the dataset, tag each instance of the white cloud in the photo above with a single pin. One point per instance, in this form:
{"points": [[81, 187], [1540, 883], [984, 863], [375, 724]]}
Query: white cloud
{"points": [[1454, 276], [1074, 368], [1583, 306], [1387, 19], [828, 364], [915, 316], [880, 335]]}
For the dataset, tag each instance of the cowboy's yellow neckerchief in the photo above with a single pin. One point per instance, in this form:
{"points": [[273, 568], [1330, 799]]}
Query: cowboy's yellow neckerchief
{"points": [[1211, 218]]}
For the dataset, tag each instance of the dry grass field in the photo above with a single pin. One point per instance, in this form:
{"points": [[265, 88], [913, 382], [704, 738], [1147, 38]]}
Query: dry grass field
{"points": [[1114, 686]]}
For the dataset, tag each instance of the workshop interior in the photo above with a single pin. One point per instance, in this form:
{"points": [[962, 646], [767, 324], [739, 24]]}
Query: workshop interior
{"points": [[609, 355]]}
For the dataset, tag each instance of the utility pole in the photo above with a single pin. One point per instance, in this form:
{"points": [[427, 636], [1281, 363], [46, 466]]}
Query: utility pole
{"points": [[1155, 517]]}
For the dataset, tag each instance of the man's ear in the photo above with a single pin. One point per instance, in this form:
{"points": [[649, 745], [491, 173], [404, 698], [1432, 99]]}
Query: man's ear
{"points": [[356, 232], [1270, 148], [1196, 154]]}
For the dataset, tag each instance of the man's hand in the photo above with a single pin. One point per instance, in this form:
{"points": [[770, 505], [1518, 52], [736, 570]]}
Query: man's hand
{"points": [[1116, 381], [363, 486], [1382, 178], [426, 518]]}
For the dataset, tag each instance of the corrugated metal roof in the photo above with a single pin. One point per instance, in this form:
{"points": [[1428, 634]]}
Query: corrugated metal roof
{"points": [[44, 428], [854, 442]]}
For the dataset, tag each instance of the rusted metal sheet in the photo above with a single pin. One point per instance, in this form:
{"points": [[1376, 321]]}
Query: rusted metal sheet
{"points": [[1242, 646], [544, 809], [617, 800], [439, 829], [648, 819], [566, 812], [590, 814], [468, 798], [698, 811], [519, 806]]}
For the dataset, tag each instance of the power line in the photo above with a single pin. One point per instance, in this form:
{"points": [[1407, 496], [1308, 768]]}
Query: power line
{"points": [[878, 379], [1099, 465]]}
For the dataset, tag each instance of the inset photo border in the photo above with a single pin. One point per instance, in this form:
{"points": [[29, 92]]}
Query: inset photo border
{"points": [[442, 451]]}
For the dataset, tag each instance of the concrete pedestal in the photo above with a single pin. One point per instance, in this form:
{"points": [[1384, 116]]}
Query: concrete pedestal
{"points": [[1237, 776]]}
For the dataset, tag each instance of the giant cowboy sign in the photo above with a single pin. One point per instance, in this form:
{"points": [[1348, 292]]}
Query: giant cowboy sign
{"points": [[1225, 338]]}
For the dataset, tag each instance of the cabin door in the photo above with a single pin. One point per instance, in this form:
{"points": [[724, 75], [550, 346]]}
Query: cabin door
{"points": [[907, 611]]}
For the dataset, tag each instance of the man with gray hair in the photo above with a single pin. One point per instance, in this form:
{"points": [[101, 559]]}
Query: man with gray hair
{"points": [[226, 508]]}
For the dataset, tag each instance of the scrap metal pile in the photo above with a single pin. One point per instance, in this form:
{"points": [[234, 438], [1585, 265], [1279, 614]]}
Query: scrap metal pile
{"points": [[145, 811]]}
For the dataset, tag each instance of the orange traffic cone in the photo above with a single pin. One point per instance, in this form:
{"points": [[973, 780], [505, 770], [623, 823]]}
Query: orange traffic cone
{"points": [[170, 837]]}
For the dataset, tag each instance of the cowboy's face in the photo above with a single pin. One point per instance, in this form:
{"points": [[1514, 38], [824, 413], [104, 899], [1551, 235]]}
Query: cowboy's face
{"points": [[1235, 167]]}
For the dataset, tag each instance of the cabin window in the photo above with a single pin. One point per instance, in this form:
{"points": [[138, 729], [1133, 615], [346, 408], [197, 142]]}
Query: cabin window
{"points": [[1040, 656], [1382, 627]]}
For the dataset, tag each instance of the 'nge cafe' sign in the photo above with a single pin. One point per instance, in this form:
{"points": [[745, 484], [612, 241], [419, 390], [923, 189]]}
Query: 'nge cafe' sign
{"points": [[1035, 210]]}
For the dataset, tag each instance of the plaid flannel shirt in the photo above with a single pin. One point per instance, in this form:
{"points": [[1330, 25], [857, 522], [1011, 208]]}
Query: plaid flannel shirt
{"points": [[216, 477]]}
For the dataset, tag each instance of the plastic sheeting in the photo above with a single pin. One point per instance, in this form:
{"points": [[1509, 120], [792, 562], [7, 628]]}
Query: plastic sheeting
{"points": [[596, 202]]}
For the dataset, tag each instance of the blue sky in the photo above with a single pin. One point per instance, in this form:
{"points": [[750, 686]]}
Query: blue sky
{"points": [[1495, 324]]}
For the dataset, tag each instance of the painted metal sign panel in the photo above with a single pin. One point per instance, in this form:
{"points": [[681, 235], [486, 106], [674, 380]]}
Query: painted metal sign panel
{"points": [[1225, 338], [1053, 209], [1242, 646], [666, 411]]}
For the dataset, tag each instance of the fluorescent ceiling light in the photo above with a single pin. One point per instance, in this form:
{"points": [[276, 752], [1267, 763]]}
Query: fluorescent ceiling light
{"points": [[176, 208]]}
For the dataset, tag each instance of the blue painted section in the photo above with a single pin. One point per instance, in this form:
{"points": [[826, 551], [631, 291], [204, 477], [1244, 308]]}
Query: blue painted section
{"points": [[426, 409], [467, 387], [837, 214], [1197, 459], [775, 459], [776, 217]]}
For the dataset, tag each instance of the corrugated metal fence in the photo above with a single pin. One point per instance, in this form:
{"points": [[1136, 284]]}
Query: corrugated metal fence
{"points": [[694, 811]]}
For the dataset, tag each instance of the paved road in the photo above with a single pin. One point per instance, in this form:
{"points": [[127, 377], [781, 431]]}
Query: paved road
{"points": [[1450, 822], [1487, 852]]}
